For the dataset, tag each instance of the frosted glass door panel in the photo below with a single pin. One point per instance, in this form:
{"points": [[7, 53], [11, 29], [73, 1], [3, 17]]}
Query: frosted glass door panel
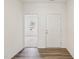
{"points": [[31, 30]]}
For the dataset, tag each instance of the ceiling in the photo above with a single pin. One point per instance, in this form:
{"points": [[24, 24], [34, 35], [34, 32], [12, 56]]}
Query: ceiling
{"points": [[44, 0]]}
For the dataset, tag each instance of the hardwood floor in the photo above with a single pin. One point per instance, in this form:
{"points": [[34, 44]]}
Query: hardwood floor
{"points": [[43, 53]]}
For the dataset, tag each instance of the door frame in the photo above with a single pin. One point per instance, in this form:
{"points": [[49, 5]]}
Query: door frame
{"points": [[61, 43]]}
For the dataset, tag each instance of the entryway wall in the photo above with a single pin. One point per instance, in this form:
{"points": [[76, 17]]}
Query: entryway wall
{"points": [[13, 28], [70, 27], [42, 10]]}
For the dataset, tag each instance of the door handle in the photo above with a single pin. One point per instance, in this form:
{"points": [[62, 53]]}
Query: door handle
{"points": [[46, 32]]}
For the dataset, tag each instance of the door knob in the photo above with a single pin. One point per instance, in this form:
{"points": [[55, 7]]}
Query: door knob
{"points": [[46, 32]]}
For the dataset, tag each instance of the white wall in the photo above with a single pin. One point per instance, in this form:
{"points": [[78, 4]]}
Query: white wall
{"points": [[43, 9], [13, 27], [70, 26]]}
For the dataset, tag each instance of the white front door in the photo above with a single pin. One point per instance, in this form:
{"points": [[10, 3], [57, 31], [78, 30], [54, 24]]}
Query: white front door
{"points": [[31, 30], [54, 23]]}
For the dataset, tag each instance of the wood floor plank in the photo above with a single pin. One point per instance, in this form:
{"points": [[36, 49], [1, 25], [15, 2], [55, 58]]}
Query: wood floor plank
{"points": [[44, 53]]}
